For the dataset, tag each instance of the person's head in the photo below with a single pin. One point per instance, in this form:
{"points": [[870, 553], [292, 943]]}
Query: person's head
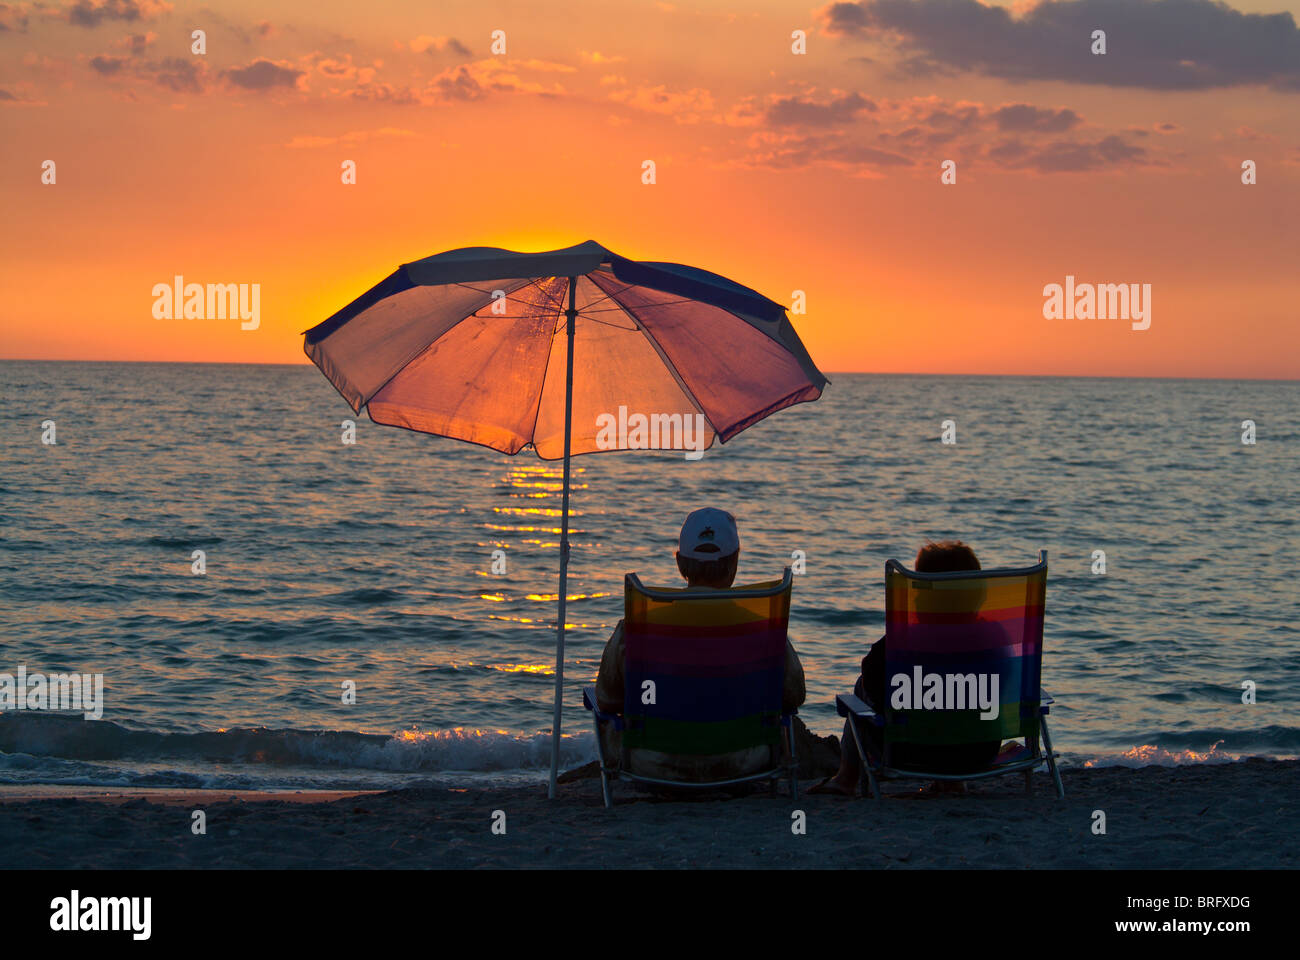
{"points": [[709, 549], [947, 556]]}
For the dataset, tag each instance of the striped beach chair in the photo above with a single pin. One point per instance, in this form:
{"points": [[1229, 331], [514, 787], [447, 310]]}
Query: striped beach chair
{"points": [[966, 628], [712, 665]]}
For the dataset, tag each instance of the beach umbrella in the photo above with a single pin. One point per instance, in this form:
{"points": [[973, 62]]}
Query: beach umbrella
{"points": [[568, 351]]}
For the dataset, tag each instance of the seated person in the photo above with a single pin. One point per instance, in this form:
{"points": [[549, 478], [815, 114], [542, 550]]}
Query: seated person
{"points": [[948, 556], [707, 555]]}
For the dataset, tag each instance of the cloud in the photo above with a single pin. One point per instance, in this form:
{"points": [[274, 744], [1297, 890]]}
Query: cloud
{"points": [[1024, 116], [473, 81], [264, 75], [13, 17], [1153, 44], [800, 111], [107, 66], [91, 13], [781, 151], [427, 44], [178, 74], [598, 58], [384, 93], [6, 95], [137, 43], [1069, 156], [340, 68], [684, 106], [888, 135]]}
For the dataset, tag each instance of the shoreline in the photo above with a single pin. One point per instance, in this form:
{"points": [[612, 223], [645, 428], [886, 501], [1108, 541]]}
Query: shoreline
{"points": [[1230, 815]]}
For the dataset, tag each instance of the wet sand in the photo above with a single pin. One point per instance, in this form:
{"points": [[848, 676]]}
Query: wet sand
{"points": [[1230, 815]]}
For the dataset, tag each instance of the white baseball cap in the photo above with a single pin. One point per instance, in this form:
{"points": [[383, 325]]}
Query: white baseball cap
{"points": [[708, 534]]}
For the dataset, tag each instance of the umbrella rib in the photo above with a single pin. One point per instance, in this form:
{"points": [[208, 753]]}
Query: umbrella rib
{"points": [[541, 390], [510, 299], [672, 369]]}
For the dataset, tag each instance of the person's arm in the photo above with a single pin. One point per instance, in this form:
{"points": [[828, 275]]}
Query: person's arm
{"points": [[794, 692], [873, 674], [609, 680]]}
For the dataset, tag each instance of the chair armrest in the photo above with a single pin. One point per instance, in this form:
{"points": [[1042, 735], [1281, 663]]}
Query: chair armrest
{"points": [[848, 703], [589, 701], [1044, 703]]}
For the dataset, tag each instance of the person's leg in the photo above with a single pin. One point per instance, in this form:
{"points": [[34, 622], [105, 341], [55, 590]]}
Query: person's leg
{"points": [[846, 777]]}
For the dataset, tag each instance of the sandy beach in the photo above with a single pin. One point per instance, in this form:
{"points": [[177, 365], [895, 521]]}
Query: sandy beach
{"points": [[1232, 815]]}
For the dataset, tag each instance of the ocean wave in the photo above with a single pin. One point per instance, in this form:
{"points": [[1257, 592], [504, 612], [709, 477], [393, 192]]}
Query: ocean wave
{"points": [[412, 751]]}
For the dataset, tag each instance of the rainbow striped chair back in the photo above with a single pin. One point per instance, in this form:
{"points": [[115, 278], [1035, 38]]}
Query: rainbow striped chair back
{"points": [[963, 665], [956, 640], [704, 672]]}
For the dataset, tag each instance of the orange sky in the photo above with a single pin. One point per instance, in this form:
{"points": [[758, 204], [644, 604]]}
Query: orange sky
{"points": [[817, 172]]}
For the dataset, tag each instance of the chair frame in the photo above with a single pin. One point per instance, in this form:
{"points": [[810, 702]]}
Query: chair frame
{"points": [[857, 712], [617, 768]]}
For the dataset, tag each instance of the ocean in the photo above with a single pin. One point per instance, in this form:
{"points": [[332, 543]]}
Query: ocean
{"points": [[369, 565]]}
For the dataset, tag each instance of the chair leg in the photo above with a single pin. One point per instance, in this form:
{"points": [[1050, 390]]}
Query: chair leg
{"points": [[873, 789], [872, 785], [794, 765], [1051, 759], [600, 753]]}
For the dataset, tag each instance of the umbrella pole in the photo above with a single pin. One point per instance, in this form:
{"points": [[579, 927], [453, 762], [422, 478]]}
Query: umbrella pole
{"points": [[571, 316]]}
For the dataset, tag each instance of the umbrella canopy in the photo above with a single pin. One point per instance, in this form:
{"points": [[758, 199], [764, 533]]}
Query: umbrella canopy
{"points": [[485, 345]]}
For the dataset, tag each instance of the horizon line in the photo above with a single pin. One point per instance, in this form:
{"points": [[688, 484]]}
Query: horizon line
{"points": [[828, 373]]}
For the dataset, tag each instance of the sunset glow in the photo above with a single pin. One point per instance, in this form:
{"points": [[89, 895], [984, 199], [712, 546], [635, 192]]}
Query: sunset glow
{"points": [[817, 172]]}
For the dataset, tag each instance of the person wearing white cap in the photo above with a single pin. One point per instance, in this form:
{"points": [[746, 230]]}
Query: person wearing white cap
{"points": [[708, 551]]}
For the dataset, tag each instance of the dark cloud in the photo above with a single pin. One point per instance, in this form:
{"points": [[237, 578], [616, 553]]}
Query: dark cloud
{"points": [[91, 13], [178, 74], [6, 95], [108, 65], [13, 18], [1068, 156], [1008, 152], [458, 84], [1017, 117], [798, 111], [962, 118], [1156, 44], [263, 75], [384, 93], [846, 18]]}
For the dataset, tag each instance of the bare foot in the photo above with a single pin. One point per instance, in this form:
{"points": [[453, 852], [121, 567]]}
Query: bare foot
{"points": [[836, 786]]}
